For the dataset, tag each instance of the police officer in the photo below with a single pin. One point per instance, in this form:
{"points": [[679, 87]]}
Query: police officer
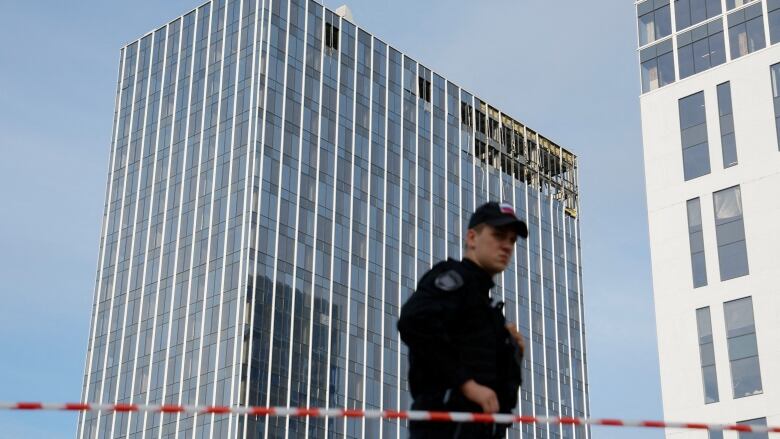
{"points": [[463, 355]]}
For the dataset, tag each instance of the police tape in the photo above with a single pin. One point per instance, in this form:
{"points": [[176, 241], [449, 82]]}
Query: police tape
{"points": [[412, 415]]}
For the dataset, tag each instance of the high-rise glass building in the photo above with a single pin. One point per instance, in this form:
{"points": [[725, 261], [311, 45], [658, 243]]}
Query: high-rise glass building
{"points": [[278, 181], [710, 74]]}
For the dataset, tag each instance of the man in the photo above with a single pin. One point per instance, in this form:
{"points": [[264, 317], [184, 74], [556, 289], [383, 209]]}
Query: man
{"points": [[463, 356]]}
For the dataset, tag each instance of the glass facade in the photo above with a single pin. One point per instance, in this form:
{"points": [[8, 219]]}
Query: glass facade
{"points": [[279, 180], [701, 33]]}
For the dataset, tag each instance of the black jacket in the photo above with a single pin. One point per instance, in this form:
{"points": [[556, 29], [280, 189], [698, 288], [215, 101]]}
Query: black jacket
{"points": [[455, 333]]}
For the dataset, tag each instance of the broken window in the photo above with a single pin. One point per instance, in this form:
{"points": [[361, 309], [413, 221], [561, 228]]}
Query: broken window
{"points": [[466, 114], [481, 122], [424, 88], [331, 36]]}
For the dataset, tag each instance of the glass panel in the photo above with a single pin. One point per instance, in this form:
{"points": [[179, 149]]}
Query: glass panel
{"points": [[685, 55], [774, 26], [717, 49], [728, 204], [743, 347], [760, 422], [699, 268], [704, 325], [707, 355], [710, 380], [646, 29], [731, 232], [739, 317], [696, 240], [755, 34], [724, 98], [738, 40], [732, 261], [666, 68], [741, 333], [746, 377], [692, 110], [696, 161], [694, 135], [663, 22], [701, 55], [682, 13], [731, 4], [715, 434]]}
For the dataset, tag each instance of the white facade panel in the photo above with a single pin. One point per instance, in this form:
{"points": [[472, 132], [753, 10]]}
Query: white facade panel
{"points": [[676, 300]]}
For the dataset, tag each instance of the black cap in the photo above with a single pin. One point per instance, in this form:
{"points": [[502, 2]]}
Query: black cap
{"points": [[498, 215]]}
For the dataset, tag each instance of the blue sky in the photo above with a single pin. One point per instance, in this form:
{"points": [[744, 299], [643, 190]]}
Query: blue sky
{"points": [[567, 69]]}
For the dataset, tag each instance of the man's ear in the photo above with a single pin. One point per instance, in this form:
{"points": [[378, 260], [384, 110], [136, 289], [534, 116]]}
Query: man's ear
{"points": [[471, 234]]}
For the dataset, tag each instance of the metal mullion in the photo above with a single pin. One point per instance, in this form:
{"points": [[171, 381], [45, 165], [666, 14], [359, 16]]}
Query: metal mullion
{"points": [[585, 404], [104, 233], [119, 239], [228, 199], [178, 221], [297, 213], [211, 208], [133, 238], [195, 220], [165, 215], [368, 213], [333, 225], [316, 212], [555, 303], [225, 37], [531, 351], [541, 286], [278, 209], [384, 241], [195, 210], [401, 148], [227, 202], [351, 221], [245, 224], [258, 155], [148, 237]]}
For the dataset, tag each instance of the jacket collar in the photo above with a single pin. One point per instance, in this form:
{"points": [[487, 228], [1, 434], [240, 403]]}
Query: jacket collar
{"points": [[484, 278]]}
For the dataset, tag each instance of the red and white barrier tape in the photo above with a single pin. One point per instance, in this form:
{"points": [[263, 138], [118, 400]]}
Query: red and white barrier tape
{"points": [[413, 415]]}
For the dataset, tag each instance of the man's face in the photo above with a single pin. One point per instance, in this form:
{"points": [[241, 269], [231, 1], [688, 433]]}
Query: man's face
{"points": [[491, 247]]}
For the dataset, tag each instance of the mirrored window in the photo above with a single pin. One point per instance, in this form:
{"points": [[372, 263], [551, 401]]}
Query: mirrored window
{"points": [[746, 31], [654, 20], [701, 48], [691, 12], [693, 132], [657, 66], [775, 70], [728, 142], [707, 355], [742, 347], [773, 10], [696, 240], [759, 422], [730, 233]]}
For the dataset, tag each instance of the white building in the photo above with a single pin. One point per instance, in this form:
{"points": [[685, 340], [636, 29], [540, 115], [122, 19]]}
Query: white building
{"points": [[710, 82]]}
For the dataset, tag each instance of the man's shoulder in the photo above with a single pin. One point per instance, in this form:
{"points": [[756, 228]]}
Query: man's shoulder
{"points": [[445, 276]]}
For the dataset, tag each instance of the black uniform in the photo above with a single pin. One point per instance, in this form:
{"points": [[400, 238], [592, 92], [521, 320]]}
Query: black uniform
{"points": [[455, 333]]}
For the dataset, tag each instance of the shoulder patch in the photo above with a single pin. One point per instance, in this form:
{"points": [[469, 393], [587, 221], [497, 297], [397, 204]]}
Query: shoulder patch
{"points": [[450, 280]]}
